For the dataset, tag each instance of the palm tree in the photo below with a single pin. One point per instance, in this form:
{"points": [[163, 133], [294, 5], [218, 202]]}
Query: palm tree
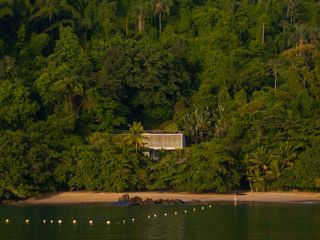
{"points": [[274, 68], [257, 167], [140, 9], [198, 124], [125, 8], [279, 161], [249, 172], [274, 170], [286, 155], [137, 9], [160, 7], [135, 136]]}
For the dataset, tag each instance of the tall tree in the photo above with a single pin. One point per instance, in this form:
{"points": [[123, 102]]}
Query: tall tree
{"points": [[62, 85], [141, 9], [135, 136], [161, 7]]}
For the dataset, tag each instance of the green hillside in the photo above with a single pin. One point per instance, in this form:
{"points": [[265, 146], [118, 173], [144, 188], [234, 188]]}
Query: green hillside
{"points": [[241, 79]]}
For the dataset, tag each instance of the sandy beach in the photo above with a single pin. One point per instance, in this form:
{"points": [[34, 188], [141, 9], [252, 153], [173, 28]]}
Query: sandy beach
{"points": [[101, 197]]}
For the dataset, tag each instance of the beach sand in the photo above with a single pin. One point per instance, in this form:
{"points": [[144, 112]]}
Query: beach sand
{"points": [[102, 197]]}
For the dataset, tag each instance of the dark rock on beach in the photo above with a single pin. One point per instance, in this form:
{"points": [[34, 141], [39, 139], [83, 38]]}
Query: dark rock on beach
{"points": [[125, 200], [149, 201], [136, 201]]}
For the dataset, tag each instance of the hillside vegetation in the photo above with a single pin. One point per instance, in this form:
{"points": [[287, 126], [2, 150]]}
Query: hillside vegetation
{"points": [[241, 78]]}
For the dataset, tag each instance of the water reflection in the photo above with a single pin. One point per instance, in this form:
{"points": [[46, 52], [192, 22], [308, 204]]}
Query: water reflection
{"points": [[222, 221]]}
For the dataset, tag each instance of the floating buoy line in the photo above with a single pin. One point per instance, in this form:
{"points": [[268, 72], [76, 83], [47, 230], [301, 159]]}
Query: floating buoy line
{"points": [[108, 222]]}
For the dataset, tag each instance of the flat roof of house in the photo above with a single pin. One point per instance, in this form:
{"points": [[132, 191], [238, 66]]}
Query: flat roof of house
{"points": [[163, 140]]}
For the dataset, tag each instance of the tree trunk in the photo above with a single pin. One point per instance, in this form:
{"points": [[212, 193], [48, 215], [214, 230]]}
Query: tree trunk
{"points": [[262, 37], [290, 10], [160, 23], [251, 188], [275, 80], [284, 35], [140, 23], [127, 25]]}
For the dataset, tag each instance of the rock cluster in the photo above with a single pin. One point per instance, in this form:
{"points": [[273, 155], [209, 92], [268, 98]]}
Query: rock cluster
{"points": [[137, 201]]}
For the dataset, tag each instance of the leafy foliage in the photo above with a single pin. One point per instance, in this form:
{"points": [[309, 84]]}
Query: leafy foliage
{"points": [[240, 78]]}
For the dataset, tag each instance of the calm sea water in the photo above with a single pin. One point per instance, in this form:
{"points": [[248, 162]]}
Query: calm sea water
{"points": [[288, 221]]}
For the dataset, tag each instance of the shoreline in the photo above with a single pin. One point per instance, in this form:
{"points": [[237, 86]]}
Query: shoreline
{"points": [[104, 197]]}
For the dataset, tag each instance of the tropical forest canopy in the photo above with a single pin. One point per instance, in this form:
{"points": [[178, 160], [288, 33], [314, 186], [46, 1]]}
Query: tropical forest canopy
{"points": [[241, 79]]}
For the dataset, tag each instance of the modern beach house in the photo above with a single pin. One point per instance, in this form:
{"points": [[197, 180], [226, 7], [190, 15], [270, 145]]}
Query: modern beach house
{"points": [[162, 140]]}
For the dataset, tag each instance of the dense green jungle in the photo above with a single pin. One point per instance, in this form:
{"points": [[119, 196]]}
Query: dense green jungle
{"points": [[80, 80]]}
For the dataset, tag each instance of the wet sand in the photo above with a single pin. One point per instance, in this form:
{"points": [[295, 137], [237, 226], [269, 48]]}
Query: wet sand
{"points": [[102, 197]]}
